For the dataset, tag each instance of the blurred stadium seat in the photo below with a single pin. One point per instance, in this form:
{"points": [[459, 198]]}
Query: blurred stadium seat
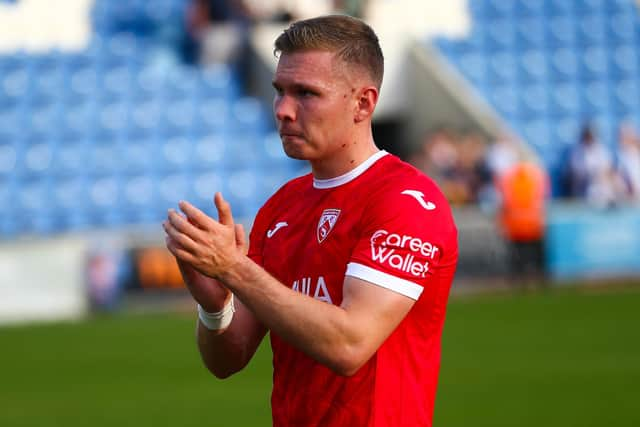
{"points": [[548, 65], [120, 131]]}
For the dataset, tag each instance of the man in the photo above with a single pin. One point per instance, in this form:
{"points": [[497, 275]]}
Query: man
{"points": [[349, 267], [524, 188]]}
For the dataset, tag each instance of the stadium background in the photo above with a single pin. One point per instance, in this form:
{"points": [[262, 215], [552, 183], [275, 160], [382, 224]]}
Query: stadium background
{"points": [[104, 125]]}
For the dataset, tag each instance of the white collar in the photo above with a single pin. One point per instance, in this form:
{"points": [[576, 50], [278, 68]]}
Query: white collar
{"points": [[349, 176]]}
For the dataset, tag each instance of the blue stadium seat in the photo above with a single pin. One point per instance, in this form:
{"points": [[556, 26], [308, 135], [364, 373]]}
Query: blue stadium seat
{"points": [[626, 96], [180, 117], [32, 203], [505, 99], [213, 115], [532, 66], [564, 65], [530, 33], [172, 188], [37, 159], [70, 158], [105, 201], [562, 31], [537, 133], [139, 155], [534, 100], [624, 61], [584, 7], [242, 149], [145, 118], [595, 97], [474, 67], [622, 27], [502, 68], [70, 196], [271, 150], [501, 34], [15, 87], [118, 84], [565, 98], [500, 8], [8, 197], [592, 30], [209, 151], [475, 40], [104, 157], [566, 130], [594, 63], [139, 192], [243, 191], [249, 114], [8, 159], [526, 8], [558, 7], [216, 81], [176, 154], [621, 6], [205, 185]]}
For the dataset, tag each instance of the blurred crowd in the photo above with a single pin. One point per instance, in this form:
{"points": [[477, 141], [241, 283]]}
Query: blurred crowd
{"points": [[465, 164], [602, 176], [468, 166]]}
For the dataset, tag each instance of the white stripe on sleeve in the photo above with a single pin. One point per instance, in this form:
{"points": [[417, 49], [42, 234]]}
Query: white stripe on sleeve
{"points": [[385, 280]]}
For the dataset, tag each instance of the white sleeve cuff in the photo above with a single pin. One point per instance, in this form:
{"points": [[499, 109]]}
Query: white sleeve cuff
{"points": [[385, 280]]}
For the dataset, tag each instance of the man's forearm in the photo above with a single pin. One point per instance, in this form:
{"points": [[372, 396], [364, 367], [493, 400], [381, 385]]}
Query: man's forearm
{"points": [[226, 352], [323, 331]]}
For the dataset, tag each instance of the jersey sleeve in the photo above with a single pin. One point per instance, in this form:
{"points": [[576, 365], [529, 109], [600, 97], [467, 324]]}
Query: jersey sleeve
{"points": [[400, 240]]}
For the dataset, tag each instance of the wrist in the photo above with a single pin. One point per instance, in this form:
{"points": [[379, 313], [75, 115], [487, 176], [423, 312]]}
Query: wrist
{"points": [[217, 320]]}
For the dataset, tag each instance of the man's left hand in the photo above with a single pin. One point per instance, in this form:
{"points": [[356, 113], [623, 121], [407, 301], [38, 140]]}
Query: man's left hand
{"points": [[206, 244]]}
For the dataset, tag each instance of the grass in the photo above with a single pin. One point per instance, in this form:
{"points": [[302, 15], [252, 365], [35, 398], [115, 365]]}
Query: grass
{"points": [[556, 358]]}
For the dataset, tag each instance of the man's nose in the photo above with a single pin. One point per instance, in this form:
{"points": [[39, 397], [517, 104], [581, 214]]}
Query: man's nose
{"points": [[285, 108]]}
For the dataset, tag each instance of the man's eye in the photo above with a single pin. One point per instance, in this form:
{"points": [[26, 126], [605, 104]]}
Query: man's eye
{"points": [[305, 93]]}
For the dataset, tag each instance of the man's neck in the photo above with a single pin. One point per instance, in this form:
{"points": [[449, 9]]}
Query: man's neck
{"points": [[346, 158]]}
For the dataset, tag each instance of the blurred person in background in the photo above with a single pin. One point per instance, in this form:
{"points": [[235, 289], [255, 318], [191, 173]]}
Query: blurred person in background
{"points": [[628, 159], [473, 165], [523, 189], [215, 31], [348, 267], [502, 155], [590, 165]]}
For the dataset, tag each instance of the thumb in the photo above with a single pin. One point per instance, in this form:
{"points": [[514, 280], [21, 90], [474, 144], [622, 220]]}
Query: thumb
{"points": [[241, 241]]}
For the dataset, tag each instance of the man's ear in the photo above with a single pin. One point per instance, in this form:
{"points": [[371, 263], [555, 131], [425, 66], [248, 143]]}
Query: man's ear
{"points": [[365, 103]]}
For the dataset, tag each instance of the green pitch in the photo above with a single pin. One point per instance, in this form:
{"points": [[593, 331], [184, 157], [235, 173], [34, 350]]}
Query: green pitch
{"points": [[561, 358]]}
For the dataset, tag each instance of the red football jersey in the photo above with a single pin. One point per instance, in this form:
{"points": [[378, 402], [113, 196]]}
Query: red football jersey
{"points": [[384, 222]]}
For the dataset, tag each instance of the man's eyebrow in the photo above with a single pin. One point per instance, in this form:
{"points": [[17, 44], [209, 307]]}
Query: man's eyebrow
{"points": [[296, 86]]}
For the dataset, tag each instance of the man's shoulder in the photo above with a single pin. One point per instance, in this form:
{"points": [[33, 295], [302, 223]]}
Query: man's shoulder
{"points": [[291, 188], [395, 176]]}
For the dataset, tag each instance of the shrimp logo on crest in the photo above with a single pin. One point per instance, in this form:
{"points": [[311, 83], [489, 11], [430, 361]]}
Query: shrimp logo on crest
{"points": [[327, 221]]}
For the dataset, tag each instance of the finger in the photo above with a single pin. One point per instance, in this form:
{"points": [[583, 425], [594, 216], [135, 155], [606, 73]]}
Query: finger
{"points": [[178, 252], [224, 209], [182, 224], [241, 241], [179, 238], [195, 215]]}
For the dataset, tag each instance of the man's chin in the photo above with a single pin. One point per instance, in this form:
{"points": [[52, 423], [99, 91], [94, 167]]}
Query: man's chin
{"points": [[294, 148]]}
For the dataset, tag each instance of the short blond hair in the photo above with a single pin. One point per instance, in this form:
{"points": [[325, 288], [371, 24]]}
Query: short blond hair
{"points": [[351, 39]]}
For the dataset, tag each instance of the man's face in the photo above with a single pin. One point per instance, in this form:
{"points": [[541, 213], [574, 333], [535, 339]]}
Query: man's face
{"points": [[314, 104]]}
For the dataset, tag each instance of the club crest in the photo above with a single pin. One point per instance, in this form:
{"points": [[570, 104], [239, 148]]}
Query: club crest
{"points": [[326, 223]]}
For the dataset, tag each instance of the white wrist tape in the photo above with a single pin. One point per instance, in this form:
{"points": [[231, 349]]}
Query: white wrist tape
{"points": [[218, 320]]}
